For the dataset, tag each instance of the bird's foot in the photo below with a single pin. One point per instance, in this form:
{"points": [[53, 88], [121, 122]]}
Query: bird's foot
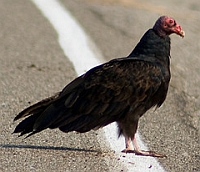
{"points": [[144, 153], [128, 150], [149, 153]]}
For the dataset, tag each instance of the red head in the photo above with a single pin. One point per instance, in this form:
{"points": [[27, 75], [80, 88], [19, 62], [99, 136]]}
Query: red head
{"points": [[167, 25]]}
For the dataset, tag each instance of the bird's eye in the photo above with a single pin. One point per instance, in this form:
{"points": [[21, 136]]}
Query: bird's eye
{"points": [[171, 21]]}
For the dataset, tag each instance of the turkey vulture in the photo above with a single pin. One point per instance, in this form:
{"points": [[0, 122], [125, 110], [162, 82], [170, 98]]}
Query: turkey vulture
{"points": [[121, 91]]}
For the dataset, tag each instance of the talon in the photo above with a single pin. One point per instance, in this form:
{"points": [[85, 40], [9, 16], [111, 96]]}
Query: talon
{"points": [[137, 151]]}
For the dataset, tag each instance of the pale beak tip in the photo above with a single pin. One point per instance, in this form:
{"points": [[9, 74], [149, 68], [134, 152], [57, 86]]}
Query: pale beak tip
{"points": [[182, 33]]}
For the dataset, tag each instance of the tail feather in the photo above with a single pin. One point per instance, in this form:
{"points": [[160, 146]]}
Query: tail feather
{"points": [[39, 118], [48, 117], [36, 108], [33, 132], [26, 126]]}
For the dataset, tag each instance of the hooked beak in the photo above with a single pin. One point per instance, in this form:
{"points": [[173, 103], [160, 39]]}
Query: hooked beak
{"points": [[182, 33], [178, 30]]}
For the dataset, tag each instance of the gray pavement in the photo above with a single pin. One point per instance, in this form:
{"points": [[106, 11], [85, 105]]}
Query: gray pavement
{"points": [[33, 66]]}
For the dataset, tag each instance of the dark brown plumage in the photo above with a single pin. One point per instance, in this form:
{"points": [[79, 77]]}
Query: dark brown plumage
{"points": [[120, 90]]}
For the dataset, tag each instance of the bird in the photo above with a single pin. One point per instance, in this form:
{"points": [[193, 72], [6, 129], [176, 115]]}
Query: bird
{"points": [[121, 90]]}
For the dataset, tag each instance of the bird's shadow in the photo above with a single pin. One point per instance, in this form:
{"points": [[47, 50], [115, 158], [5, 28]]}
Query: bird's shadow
{"points": [[46, 148]]}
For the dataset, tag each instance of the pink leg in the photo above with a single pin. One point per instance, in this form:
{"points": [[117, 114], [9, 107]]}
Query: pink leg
{"points": [[129, 147], [137, 151]]}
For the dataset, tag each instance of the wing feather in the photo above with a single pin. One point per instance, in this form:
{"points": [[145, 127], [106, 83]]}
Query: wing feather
{"points": [[104, 94], [110, 89]]}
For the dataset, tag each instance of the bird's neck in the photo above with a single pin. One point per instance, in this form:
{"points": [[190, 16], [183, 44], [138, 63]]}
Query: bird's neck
{"points": [[153, 45]]}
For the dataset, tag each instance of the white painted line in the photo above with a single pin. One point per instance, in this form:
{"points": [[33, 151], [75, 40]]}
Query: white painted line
{"points": [[77, 47], [72, 39]]}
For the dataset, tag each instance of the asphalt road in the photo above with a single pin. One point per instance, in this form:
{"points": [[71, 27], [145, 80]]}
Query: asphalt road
{"points": [[33, 66]]}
